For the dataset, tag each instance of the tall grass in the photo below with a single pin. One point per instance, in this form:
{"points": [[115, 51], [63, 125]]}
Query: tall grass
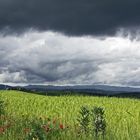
{"points": [[122, 115]]}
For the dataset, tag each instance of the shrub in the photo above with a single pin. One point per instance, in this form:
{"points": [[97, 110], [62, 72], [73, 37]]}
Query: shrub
{"points": [[84, 119], [99, 123], [92, 121]]}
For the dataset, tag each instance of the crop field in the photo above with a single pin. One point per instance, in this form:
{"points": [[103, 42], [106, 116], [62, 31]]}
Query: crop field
{"points": [[26, 116]]}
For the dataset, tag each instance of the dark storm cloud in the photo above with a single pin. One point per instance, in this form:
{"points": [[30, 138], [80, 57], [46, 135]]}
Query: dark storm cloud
{"points": [[74, 17]]}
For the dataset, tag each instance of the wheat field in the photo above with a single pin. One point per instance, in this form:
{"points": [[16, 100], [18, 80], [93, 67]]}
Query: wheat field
{"points": [[122, 115]]}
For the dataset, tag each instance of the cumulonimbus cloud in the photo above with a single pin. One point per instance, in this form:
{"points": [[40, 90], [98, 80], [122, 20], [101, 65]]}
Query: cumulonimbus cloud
{"points": [[53, 58]]}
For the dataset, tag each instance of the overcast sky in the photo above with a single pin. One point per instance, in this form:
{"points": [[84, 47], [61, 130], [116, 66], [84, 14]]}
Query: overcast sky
{"points": [[70, 42]]}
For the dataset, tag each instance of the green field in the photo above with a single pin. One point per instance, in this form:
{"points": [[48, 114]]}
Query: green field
{"points": [[122, 115]]}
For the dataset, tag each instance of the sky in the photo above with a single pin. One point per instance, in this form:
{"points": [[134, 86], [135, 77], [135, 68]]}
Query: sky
{"points": [[70, 42]]}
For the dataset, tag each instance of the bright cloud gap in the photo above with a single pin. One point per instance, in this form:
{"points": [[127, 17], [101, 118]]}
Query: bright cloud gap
{"points": [[53, 58]]}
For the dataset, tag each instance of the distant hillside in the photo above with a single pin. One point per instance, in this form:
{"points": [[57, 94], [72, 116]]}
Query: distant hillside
{"points": [[2, 87], [88, 88], [101, 90]]}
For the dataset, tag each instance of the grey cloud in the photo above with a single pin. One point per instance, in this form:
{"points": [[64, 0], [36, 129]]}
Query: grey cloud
{"points": [[73, 17], [53, 58]]}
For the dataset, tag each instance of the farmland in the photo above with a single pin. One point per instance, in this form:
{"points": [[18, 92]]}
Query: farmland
{"points": [[122, 115]]}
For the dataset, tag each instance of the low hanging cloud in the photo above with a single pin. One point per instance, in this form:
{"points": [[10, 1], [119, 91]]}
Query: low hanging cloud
{"points": [[53, 58], [72, 17]]}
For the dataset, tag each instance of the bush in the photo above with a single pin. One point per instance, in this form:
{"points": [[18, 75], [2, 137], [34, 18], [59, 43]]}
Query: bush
{"points": [[92, 121], [99, 123], [84, 119]]}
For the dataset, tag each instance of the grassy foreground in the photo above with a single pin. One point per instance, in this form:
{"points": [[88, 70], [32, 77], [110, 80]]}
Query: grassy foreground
{"points": [[122, 115]]}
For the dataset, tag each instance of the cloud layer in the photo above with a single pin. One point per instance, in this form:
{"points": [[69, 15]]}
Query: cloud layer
{"points": [[53, 58], [73, 17]]}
